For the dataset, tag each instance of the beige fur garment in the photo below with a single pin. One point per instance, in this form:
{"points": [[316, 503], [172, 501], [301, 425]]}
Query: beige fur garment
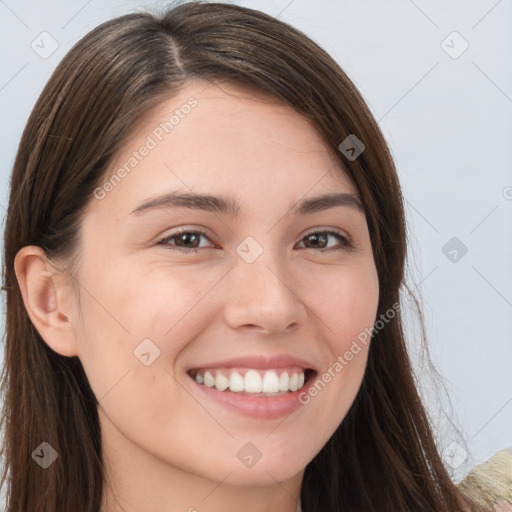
{"points": [[490, 483]]}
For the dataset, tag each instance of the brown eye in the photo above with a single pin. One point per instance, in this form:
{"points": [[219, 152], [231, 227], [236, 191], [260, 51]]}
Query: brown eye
{"points": [[187, 241], [320, 240], [184, 240]]}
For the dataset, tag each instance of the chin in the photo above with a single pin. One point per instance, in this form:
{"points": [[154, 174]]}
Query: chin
{"points": [[261, 474]]}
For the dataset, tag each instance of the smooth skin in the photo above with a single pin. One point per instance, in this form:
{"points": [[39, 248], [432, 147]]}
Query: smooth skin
{"points": [[167, 447]]}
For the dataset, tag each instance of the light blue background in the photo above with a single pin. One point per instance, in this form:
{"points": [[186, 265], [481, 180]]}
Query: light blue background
{"points": [[448, 122]]}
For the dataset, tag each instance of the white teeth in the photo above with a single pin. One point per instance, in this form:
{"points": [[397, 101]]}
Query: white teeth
{"points": [[221, 382], [209, 380], [284, 382], [236, 381], [252, 382], [270, 382], [294, 382]]}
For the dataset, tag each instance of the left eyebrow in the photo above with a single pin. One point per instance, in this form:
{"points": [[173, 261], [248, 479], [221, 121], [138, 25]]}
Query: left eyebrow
{"points": [[230, 206], [326, 201]]}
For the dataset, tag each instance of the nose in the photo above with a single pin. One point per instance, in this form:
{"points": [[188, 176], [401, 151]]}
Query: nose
{"points": [[261, 295]]}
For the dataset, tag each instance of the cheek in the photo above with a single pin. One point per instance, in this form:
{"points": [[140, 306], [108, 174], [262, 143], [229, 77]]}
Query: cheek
{"points": [[127, 362], [352, 320], [123, 307], [135, 303], [345, 301]]}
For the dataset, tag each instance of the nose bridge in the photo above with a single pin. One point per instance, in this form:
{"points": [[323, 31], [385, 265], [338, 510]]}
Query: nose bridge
{"points": [[262, 263], [260, 293]]}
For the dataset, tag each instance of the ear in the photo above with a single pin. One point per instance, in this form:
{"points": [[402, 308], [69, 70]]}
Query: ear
{"points": [[47, 299]]}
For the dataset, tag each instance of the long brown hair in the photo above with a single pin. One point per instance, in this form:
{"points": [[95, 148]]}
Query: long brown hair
{"points": [[383, 456]]}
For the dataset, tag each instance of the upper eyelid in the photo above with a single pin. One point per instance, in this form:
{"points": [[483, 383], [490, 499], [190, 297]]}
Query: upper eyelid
{"points": [[338, 231]]}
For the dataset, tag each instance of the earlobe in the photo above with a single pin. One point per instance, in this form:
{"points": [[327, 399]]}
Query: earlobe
{"points": [[42, 289]]}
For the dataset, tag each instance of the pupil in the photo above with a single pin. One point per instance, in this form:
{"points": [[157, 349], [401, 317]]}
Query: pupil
{"points": [[185, 236], [320, 237]]}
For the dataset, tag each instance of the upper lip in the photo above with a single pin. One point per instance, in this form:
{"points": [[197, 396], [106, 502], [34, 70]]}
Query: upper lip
{"points": [[259, 361]]}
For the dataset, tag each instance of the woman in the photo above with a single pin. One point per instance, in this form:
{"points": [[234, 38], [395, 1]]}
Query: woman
{"points": [[263, 367]]}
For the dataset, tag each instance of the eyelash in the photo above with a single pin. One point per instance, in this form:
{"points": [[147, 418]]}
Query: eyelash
{"points": [[346, 244]]}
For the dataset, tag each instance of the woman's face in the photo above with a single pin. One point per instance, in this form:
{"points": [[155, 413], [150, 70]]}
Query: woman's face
{"points": [[190, 307]]}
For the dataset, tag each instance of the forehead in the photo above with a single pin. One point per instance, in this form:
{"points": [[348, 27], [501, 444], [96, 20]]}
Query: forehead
{"points": [[219, 138]]}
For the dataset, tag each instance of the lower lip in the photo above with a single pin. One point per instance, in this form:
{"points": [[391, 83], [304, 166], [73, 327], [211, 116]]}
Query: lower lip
{"points": [[258, 407]]}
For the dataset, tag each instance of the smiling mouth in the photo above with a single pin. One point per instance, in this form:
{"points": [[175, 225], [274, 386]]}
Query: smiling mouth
{"points": [[253, 382]]}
